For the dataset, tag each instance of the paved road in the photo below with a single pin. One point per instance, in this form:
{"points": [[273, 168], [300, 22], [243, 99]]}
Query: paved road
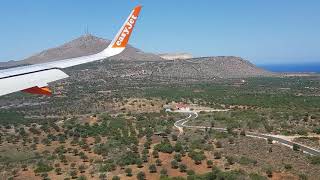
{"points": [[304, 148], [180, 124]]}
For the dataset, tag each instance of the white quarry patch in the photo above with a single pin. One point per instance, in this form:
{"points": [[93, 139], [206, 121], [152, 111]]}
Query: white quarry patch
{"points": [[176, 56]]}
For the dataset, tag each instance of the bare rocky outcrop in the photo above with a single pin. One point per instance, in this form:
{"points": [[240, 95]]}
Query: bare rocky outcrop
{"points": [[84, 45]]}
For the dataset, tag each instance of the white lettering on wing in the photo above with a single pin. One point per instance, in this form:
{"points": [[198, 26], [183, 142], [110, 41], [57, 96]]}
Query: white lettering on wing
{"points": [[126, 30]]}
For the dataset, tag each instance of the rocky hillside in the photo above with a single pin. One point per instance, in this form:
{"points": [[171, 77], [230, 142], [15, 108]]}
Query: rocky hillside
{"points": [[211, 67], [110, 74], [84, 45], [134, 62]]}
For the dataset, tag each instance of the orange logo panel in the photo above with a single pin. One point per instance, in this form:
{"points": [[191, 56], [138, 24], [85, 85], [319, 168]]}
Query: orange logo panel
{"points": [[124, 36]]}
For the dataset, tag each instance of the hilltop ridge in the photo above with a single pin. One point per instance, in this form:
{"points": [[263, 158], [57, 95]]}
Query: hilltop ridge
{"points": [[187, 67], [84, 45]]}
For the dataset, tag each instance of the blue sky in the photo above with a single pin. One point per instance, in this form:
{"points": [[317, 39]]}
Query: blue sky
{"points": [[264, 32]]}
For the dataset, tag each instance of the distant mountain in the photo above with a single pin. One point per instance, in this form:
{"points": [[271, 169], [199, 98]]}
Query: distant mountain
{"points": [[212, 67], [133, 61], [84, 45], [9, 64]]}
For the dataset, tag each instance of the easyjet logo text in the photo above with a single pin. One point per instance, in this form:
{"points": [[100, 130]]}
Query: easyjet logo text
{"points": [[127, 29]]}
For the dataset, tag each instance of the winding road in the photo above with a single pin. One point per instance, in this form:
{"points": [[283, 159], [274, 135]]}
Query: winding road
{"points": [[180, 124]]}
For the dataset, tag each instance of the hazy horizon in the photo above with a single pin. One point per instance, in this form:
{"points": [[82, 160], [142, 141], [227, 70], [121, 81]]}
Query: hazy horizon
{"points": [[261, 32]]}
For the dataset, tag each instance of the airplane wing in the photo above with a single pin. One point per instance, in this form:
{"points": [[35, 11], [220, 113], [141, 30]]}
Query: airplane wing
{"points": [[35, 78]]}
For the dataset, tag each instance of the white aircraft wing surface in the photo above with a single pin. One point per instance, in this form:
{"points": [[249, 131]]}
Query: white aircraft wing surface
{"points": [[35, 78]]}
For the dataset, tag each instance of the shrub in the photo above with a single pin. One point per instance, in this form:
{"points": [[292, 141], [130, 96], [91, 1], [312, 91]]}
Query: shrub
{"points": [[197, 156], [183, 168], [288, 166], [155, 154], [158, 162], [178, 147], [128, 158], [144, 158], [177, 157], [164, 147], [174, 137], [315, 160], [243, 133], [102, 176], [231, 140], [115, 178], [246, 161], [147, 145], [141, 175], [209, 164], [163, 172], [43, 167], [302, 132], [44, 175], [24, 167], [217, 155], [303, 177], [139, 163], [82, 168], [128, 171], [218, 144], [190, 172], [73, 174], [296, 147], [317, 130], [255, 176], [58, 171], [230, 160], [269, 172], [152, 168], [82, 178], [108, 167], [174, 164]]}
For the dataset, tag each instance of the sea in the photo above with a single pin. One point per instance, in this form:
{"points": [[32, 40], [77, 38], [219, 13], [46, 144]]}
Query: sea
{"points": [[301, 68]]}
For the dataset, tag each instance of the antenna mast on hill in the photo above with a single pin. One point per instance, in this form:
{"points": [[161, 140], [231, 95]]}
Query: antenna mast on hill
{"points": [[87, 31]]}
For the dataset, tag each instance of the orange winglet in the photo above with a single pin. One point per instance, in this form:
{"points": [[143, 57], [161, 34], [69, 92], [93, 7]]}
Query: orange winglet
{"points": [[37, 90], [123, 37]]}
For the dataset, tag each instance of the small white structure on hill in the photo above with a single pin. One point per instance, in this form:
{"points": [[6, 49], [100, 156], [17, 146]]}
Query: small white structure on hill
{"points": [[176, 56]]}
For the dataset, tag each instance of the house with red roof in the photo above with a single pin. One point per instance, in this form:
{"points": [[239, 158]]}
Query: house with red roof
{"points": [[182, 106]]}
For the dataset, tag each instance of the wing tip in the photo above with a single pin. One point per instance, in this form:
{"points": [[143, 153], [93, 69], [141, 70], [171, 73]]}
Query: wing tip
{"points": [[138, 7], [122, 38]]}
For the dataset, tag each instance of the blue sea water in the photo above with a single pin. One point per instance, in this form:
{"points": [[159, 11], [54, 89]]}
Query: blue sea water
{"points": [[314, 67]]}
